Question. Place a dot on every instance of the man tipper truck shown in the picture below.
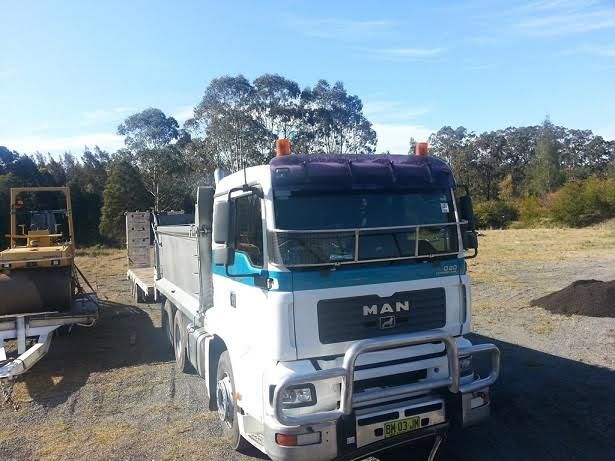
(324, 300)
(41, 288)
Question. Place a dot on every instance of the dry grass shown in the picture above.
(503, 253)
(547, 244)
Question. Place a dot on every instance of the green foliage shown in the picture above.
(494, 214)
(412, 149)
(531, 210)
(233, 123)
(334, 122)
(579, 203)
(506, 190)
(149, 129)
(236, 123)
(545, 173)
(124, 192)
(86, 179)
(150, 137)
(538, 159)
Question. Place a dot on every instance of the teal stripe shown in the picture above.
(241, 266)
(345, 276)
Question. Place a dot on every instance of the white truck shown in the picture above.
(324, 300)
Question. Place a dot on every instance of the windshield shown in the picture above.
(348, 227)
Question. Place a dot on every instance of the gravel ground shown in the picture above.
(112, 392)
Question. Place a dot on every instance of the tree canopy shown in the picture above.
(531, 160)
(235, 124)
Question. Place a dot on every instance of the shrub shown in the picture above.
(531, 210)
(494, 214)
(579, 203)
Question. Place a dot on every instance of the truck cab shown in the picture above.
(329, 303)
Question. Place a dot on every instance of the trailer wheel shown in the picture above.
(179, 342)
(227, 404)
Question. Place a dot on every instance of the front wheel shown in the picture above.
(227, 404)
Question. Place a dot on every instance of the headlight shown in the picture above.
(300, 396)
(465, 363)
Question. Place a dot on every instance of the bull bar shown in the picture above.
(346, 373)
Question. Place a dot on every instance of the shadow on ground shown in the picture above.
(545, 408)
(124, 336)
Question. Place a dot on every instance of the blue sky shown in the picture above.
(71, 71)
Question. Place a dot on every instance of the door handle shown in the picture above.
(233, 299)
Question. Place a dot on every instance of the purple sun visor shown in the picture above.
(352, 172)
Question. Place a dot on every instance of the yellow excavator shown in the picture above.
(41, 288)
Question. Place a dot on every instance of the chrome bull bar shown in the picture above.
(346, 373)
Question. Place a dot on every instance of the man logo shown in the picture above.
(386, 308)
(387, 322)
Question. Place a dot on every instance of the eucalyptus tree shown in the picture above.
(150, 137)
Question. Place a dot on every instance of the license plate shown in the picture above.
(401, 426)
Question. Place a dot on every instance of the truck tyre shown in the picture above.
(180, 340)
(137, 294)
(227, 404)
(166, 322)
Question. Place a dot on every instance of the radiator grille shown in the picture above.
(361, 317)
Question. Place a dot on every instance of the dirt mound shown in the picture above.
(593, 298)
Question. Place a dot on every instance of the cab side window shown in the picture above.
(249, 228)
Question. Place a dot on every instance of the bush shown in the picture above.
(531, 210)
(580, 203)
(494, 214)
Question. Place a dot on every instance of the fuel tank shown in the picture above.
(24, 291)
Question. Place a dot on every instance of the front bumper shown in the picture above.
(341, 435)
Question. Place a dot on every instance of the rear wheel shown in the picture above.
(180, 339)
(227, 404)
(137, 294)
(166, 322)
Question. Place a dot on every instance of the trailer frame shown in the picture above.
(39, 327)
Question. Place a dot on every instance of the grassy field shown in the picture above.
(112, 392)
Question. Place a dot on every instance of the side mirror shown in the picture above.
(223, 233)
(224, 256)
(222, 227)
(470, 242)
(466, 210)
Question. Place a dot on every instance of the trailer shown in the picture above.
(33, 332)
(141, 255)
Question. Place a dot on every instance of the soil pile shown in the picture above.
(593, 298)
